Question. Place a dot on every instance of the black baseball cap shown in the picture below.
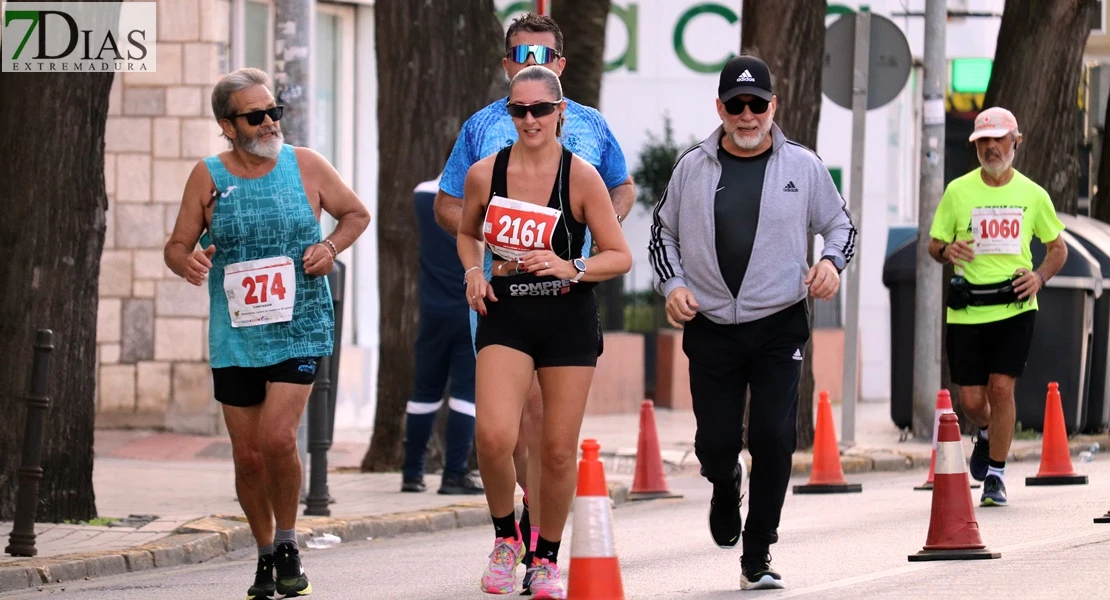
(744, 75)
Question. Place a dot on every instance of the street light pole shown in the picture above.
(927, 302)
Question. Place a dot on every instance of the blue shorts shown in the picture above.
(444, 351)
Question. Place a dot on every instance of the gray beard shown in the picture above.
(748, 143)
(270, 149)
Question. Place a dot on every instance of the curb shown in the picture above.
(210, 537)
(676, 462)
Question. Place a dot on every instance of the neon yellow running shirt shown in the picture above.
(999, 223)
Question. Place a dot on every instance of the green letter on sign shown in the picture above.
(628, 16)
(680, 31)
(23, 15)
(515, 7)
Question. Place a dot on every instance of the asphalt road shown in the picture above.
(832, 546)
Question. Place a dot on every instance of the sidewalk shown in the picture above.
(179, 492)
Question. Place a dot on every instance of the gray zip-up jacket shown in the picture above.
(799, 199)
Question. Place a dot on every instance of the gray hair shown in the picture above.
(541, 74)
(234, 82)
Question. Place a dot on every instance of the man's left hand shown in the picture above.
(317, 260)
(823, 280)
(1027, 284)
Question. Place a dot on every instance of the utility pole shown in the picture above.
(860, 77)
(294, 23)
(928, 308)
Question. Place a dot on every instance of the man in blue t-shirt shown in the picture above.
(443, 350)
(531, 39)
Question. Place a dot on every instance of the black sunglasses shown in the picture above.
(735, 106)
(255, 117)
(539, 109)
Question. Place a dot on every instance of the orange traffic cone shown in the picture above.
(953, 530)
(595, 570)
(1056, 466)
(826, 476)
(650, 480)
(944, 405)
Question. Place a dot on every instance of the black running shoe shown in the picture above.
(756, 572)
(291, 580)
(460, 485)
(526, 532)
(724, 513)
(980, 457)
(264, 587)
(994, 492)
(413, 484)
(526, 583)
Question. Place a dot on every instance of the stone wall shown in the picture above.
(152, 326)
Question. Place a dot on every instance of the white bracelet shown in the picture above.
(468, 272)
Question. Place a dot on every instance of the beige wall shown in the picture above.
(152, 326)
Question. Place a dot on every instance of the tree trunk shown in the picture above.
(51, 236)
(795, 55)
(583, 25)
(1100, 205)
(423, 99)
(1037, 66)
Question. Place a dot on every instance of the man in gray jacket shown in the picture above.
(728, 247)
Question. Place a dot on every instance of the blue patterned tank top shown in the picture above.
(265, 218)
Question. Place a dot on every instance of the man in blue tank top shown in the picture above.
(271, 317)
(530, 40)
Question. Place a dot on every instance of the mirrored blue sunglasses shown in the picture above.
(543, 54)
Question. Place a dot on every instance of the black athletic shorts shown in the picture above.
(246, 386)
(977, 351)
(554, 324)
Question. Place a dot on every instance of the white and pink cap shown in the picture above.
(994, 122)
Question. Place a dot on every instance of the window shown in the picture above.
(333, 100)
(327, 67)
(257, 33)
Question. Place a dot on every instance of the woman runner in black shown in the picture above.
(531, 205)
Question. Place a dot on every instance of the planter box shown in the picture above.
(618, 385)
(672, 371)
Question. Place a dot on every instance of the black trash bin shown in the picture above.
(1094, 235)
(899, 272)
(1062, 339)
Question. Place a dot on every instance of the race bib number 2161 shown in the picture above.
(514, 228)
(260, 291)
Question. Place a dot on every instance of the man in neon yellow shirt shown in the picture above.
(983, 226)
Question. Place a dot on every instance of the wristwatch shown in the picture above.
(580, 266)
(836, 261)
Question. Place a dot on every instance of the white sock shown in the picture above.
(983, 434)
(997, 472)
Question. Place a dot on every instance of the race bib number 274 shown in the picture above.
(260, 291)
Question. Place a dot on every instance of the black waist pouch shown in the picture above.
(962, 294)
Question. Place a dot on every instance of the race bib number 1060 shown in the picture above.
(260, 291)
(997, 230)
